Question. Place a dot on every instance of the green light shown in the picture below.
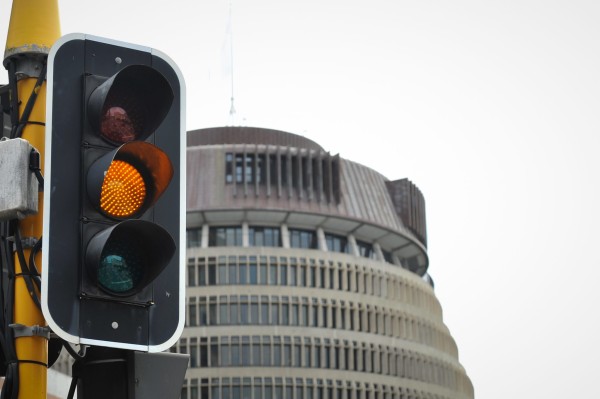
(121, 266)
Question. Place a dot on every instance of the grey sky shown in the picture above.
(490, 107)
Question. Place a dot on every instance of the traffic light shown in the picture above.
(114, 190)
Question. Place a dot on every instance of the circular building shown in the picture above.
(307, 277)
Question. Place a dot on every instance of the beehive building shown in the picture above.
(307, 277)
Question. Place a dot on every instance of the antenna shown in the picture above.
(232, 117)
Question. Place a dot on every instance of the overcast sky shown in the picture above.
(490, 107)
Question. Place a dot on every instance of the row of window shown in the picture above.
(306, 352)
(313, 312)
(231, 236)
(306, 272)
(263, 236)
(305, 175)
(295, 388)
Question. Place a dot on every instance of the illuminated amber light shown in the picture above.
(123, 190)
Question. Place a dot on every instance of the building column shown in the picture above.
(378, 252)
(245, 235)
(285, 236)
(321, 239)
(353, 246)
(204, 238)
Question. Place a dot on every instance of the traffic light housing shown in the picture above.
(114, 192)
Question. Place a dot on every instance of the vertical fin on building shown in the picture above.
(409, 204)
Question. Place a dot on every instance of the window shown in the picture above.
(203, 352)
(225, 236)
(214, 352)
(336, 243)
(295, 312)
(253, 270)
(233, 307)
(212, 311)
(254, 310)
(193, 352)
(263, 270)
(293, 272)
(273, 169)
(261, 173)
(194, 238)
(275, 310)
(307, 349)
(233, 270)
(365, 249)
(244, 309)
(256, 351)
(283, 272)
(249, 168)
(295, 173)
(239, 168)
(243, 270)
(225, 358)
(236, 359)
(266, 351)
(202, 312)
(229, 168)
(246, 389)
(246, 351)
(302, 281)
(297, 357)
(304, 321)
(387, 255)
(303, 239)
(212, 272)
(276, 351)
(273, 272)
(192, 320)
(202, 273)
(268, 388)
(287, 351)
(191, 275)
(285, 309)
(260, 236)
(264, 310)
(222, 271)
(284, 171)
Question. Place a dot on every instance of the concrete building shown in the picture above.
(307, 277)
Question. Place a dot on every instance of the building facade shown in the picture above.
(307, 277)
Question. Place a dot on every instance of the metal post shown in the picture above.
(34, 26)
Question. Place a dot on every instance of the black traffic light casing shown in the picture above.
(113, 249)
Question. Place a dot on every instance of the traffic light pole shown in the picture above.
(34, 26)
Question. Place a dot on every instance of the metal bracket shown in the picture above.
(26, 242)
(33, 331)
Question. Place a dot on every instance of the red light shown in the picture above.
(117, 126)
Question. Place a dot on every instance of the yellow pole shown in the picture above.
(34, 27)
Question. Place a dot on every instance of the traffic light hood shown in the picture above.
(130, 105)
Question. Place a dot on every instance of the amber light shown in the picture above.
(123, 190)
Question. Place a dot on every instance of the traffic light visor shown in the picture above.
(128, 180)
(130, 105)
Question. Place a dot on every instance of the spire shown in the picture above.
(232, 112)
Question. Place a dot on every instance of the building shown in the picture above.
(307, 277)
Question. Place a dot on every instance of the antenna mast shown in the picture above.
(230, 33)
